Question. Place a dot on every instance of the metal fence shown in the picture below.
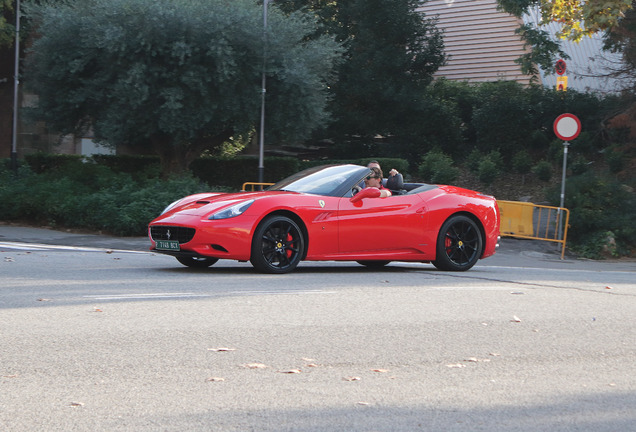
(533, 221)
(254, 186)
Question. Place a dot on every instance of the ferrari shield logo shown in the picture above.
(322, 203)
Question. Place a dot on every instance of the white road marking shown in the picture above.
(143, 296)
(146, 296)
(44, 247)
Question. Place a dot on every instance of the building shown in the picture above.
(483, 46)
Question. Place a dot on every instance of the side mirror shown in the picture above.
(369, 192)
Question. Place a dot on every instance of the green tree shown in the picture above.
(179, 77)
(391, 54)
(7, 28)
(578, 18)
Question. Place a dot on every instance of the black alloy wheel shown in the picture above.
(459, 244)
(277, 246)
(197, 262)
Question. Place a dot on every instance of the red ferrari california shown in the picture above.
(316, 215)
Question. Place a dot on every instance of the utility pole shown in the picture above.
(16, 83)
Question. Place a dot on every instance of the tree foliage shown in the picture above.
(7, 18)
(391, 54)
(178, 76)
(578, 19)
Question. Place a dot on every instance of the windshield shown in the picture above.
(329, 180)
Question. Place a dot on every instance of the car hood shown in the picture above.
(204, 204)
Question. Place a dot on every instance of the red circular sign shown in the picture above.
(567, 127)
(560, 67)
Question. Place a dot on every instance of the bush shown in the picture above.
(615, 160)
(488, 171)
(93, 197)
(599, 205)
(437, 168)
(522, 162)
(543, 170)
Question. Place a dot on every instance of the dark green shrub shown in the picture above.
(522, 162)
(437, 168)
(488, 171)
(599, 205)
(473, 160)
(579, 165)
(543, 170)
(233, 172)
(615, 159)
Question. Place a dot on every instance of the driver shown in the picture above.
(374, 179)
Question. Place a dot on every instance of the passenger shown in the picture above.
(395, 180)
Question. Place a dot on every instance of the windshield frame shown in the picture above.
(325, 180)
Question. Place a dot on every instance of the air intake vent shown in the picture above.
(181, 234)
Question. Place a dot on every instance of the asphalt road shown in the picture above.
(97, 334)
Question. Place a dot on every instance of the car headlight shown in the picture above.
(233, 211)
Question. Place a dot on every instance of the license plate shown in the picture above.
(168, 245)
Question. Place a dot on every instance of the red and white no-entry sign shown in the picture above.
(567, 127)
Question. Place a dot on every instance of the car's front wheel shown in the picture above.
(197, 262)
(278, 245)
(459, 244)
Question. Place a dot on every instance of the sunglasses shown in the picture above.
(372, 177)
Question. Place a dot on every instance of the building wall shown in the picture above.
(479, 39)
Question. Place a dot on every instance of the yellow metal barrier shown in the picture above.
(253, 186)
(533, 221)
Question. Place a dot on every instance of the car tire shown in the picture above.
(197, 262)
(459, 244)
(278, 245)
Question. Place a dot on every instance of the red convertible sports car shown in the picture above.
(316, 215)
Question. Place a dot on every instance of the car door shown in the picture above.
(392, 224)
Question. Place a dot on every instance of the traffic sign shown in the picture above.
(560, 67)
(562, 83)
(567, 127)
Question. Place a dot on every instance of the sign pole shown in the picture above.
(565, 167)
(566, 127)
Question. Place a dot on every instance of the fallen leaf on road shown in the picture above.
(476, 360)
(97, 310)
(363, 403)
(352, 378)
(515, 318)
(254, 366)
(380, 370)
(215, 379)
(608, 287)
(44, 300)
(221, 349)
(290, 371)
(456, 365)
(76, 404)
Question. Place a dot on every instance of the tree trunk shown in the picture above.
(176, 157)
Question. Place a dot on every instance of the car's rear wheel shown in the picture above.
(197, 262)
(459, 244)
(374, 264)
(278, 245)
